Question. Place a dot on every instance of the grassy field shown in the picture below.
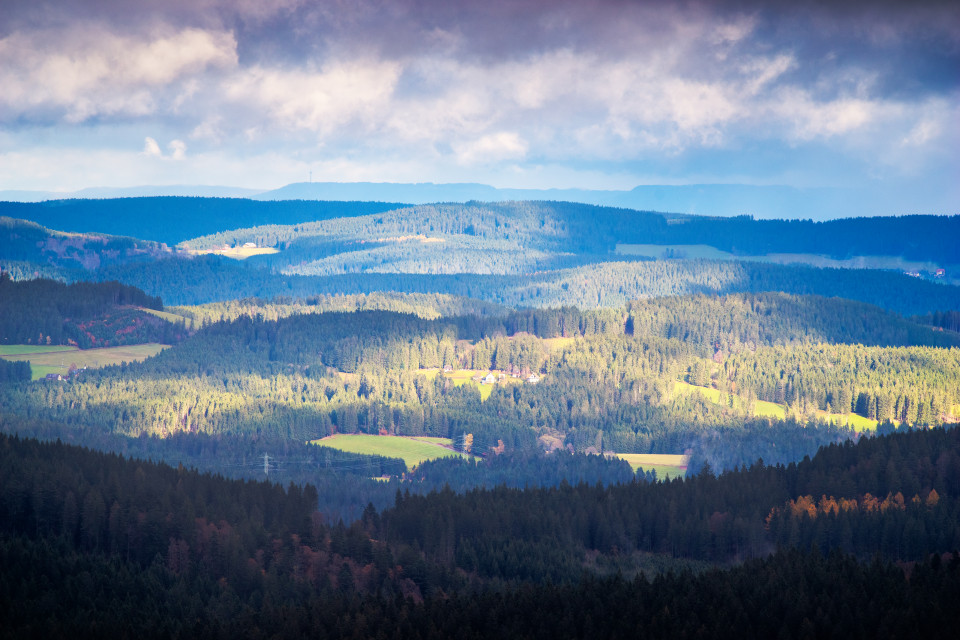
(706, 252)
(558, 344)
(761, 408)
(412, 451)
(667, 465)
(29, 349)
(443, 442)
(678, 251)
(44, 362)
(169, 317)
(237, 253)
(465, 376)
(852, 420)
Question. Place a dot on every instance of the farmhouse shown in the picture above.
(53, 377)
(249, 245)
(489, 379)
(533, 378)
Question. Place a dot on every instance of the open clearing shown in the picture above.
(169, 317)
(762, 408)
(59, 361)
(676, 251)
(465, 376)
(29, 349)
(237, 253)
(558, 344)
(412, 451)
(852, 420)
(706, 252)
(667, 465)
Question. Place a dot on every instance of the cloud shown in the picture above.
(151, 148)
(88, 71)
(321, 101)
(811, 119)
(476, 85)
(496, 147)
(178, 149)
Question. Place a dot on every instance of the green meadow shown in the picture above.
(44, 360)
(412, 451)
(667, 465)
(762, 408)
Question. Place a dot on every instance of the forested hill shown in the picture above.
(174, 219)
(212, 278)
(558, 226)
(580, 228)
(30, 245)
(95, 543)
(84, 313)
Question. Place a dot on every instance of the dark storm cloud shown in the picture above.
(505, 27)
(902, 48)
(481, 82)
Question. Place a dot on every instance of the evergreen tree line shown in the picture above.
(50, 312)
(173, 219)
(426, 306)
(346, 482)
(96, 543)
(949, 320)
(308, 376)
(205, 279)
(916, 385)
(252, 376)
(14, 371)
(581, 228)
(26, 242)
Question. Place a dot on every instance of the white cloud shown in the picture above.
(178, 149)
(922, 133)
(810, 119)
(151, 148)
(496, 147)
(210, 129)
(323, 101)
(601, 85)
(88, 71)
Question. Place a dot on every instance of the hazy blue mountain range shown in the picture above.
(175, 219)
(201, 191)
(760, 201)
(701, 199)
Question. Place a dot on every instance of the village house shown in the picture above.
(533, 378)
(489, 379)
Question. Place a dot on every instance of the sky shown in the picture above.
(593, 94)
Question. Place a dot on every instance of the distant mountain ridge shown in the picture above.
(148, 191)
(760, 201)
(698, 199)
(174, 219)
